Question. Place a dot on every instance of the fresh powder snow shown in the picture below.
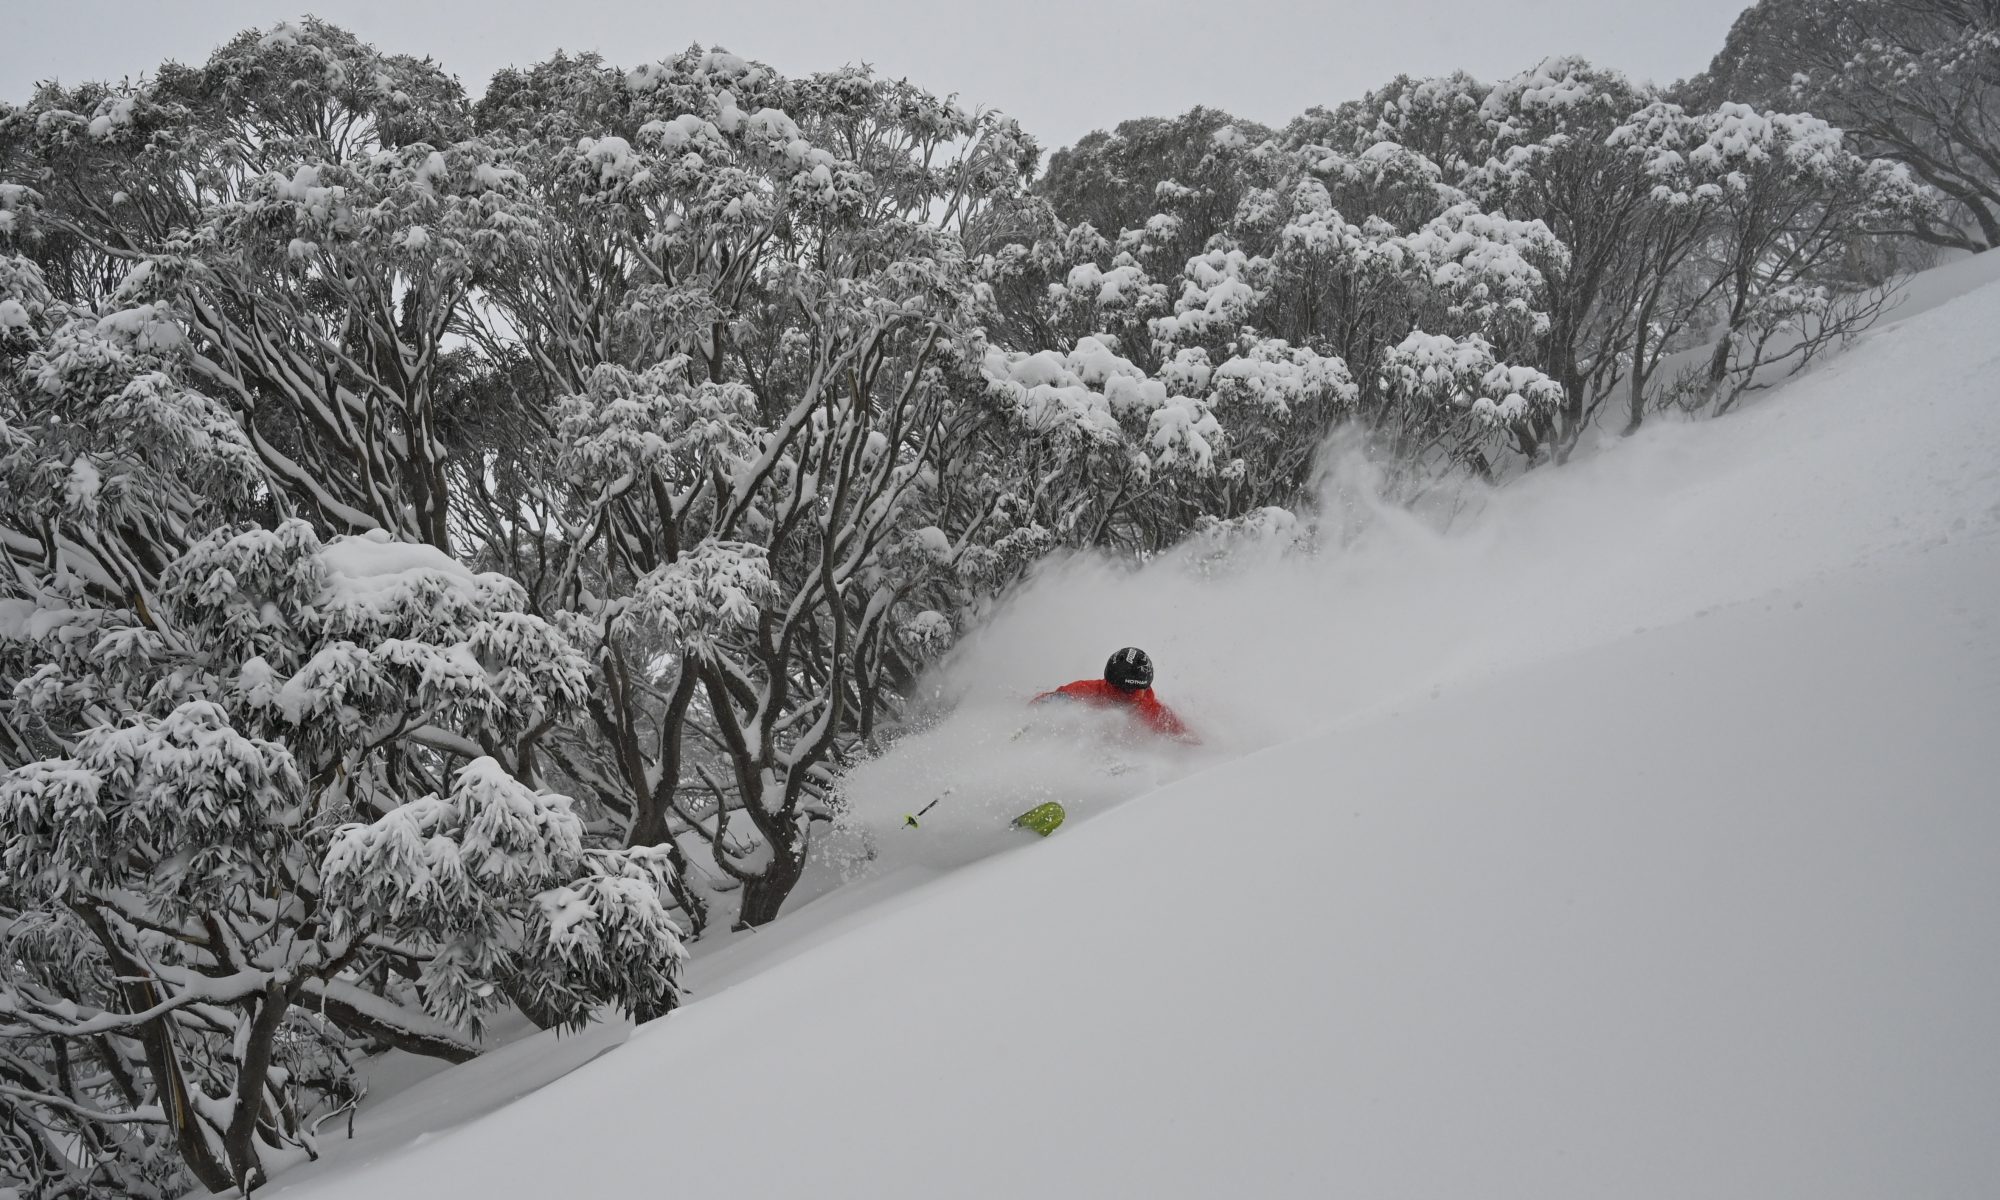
(1635, 836)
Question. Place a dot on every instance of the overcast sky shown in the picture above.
(1063, 67)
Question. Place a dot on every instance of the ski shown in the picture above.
(1042, 819)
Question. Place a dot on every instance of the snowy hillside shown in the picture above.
(1638, 837)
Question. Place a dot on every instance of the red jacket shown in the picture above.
(1143, 705)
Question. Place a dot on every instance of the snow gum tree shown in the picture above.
(1564, 228)
(1673, 221)
(237, 851)
(306, 208)
(1115, 181)
(759, 337)
(270, 795)
(1277, 326)
(448, 549)
(1914, 81)
(1763, 211)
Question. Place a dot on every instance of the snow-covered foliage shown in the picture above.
(224, 640)
(1444, 384)
(1917, 84)
(1616, 226)
(1092, 396)
(453, 550)
(496, 876)
(217, 792)
(1765, 209)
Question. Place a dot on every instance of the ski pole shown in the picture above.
(911, 818)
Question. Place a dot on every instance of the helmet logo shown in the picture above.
(1129, 670)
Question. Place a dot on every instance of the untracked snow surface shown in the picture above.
(1637, 837)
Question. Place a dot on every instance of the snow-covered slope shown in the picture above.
(1641, 839)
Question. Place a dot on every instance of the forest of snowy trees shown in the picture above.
(451, 548)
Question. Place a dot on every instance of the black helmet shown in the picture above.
(1129, 670)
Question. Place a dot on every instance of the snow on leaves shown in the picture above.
(1462, 374)
(1085, 398)
(626, 426)
(447, 213)
(187, 781)
(719, 155)
(1912, 83)
(365, 633)
(1485, 264)
(476, 867)
(713, 587)
(1278, 377)
(1221, 289)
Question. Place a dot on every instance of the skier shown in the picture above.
(1127, 684)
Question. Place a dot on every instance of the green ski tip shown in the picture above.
(1043, 818)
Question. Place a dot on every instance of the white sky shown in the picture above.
(1063, 67)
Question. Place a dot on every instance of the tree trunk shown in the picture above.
(239, 1139)
(171, 1093)
(650, 809)
(764, 895)
(1635, 414)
